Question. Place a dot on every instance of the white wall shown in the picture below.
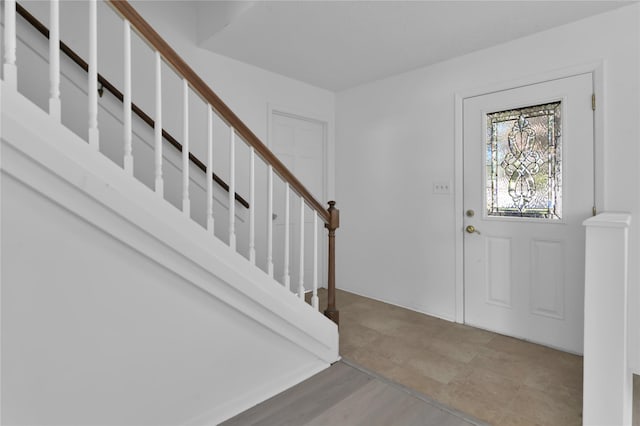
(395, 137)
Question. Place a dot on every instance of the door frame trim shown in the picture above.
(328, 167)
(328, 140)
(597, 70)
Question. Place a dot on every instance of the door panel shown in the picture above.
(498, 279)
(547, 266)
(528, 178)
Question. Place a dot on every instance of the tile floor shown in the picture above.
(498, 379)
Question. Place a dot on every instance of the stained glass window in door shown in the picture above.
(524, 164)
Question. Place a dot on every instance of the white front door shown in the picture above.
(300, 143)
(528, 185)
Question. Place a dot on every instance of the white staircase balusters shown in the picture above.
(301, 266)
(158, 128)
(209, 172)
(54, 60)
(93, 75)
(314, 296)
(270, 220)
(232, 189)
(126, 101)
(190, 81)
(186, 203)
(252, 207)
(286, 278)
(9, 68)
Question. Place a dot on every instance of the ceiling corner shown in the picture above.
(215, 16)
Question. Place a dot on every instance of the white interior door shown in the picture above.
(300, 144)
(528, 185)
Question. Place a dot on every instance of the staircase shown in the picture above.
(138, 280)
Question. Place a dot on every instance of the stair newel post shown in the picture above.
(334, 222)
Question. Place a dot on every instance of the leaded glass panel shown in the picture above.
(524, 167)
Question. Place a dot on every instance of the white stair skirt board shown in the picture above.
(62, 168)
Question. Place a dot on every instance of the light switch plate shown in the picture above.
(442, 188)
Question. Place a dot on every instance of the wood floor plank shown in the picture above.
(424, 414)
(375, 404)
(306, 400)
(381, 404)
(347, 395)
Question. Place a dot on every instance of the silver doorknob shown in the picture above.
(471, 229)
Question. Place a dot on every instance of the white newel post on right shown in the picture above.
(608, 387)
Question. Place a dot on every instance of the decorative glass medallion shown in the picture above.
(524, 174)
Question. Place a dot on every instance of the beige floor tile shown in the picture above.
(563, 362)
(413, 378)
(546, 408)
(498, 379)
(556, 370)
(503, 363)
(394, 349)
(357, 335)
(348, 351)
(556, 379)
(372, 360)
(380, 323)
(463, 333)
(348, 317)
(484, 394)
(411, 334)
(437, 367)
(460, 351)
(358, 305)
(493, 385)
(518, 347)
(477, 404)
(512, 419)
(412, 328)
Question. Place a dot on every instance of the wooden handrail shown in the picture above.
(149, 34)
(42, 29)
(330, 216)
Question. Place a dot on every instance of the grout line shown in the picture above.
(466, 417)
